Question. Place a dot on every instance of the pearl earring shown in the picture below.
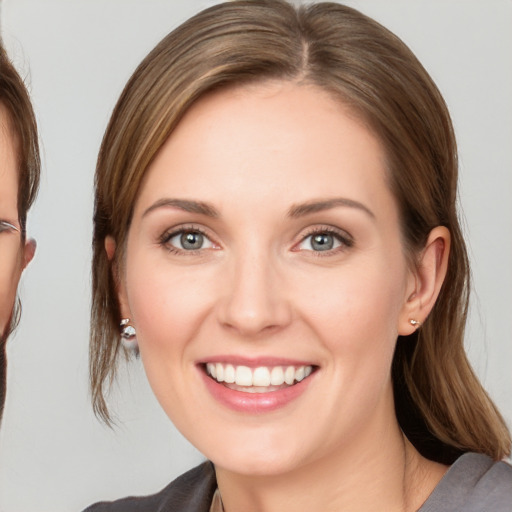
(128, 335)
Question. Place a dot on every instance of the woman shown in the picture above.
(19, 179)
(276, 233)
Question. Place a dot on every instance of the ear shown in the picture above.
(426, 280)
(28, 251)
(110, 249)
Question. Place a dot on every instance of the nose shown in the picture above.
(254, 301)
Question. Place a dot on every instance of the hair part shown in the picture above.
(440, 404)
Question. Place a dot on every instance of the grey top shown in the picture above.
(474, 483)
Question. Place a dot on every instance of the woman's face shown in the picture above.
(13, 254)
(265, 247)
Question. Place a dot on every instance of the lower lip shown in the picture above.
(254, 403)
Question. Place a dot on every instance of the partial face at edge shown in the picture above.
(265, 237)
(14, 256)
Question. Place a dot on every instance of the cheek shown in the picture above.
(167, 305)
(356, 315)
(362, 297)
(10, 272)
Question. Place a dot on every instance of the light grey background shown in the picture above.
(54, 455)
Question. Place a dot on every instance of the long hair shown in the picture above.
(439, 402)
(22, 122)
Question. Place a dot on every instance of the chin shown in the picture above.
(261, 455)
(264, 464)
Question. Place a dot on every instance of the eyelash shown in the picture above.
(344, 239)
(166, 237)
(7, 226)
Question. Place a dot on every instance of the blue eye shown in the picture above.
(324, 241)
(189, 241)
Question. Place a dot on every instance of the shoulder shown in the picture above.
(474, 483)
(190, 492)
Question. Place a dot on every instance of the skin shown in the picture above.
(258, 289)
(14, 253)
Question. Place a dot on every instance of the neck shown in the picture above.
(388, 474)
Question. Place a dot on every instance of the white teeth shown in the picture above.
(277, 376)
(229, 374)
(260, 377)
(219, 369)
(243, 376)
(210, 367)
(289, 375)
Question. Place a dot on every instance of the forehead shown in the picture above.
(271, 133)
(8, 164)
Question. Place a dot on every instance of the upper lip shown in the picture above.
(255, 362)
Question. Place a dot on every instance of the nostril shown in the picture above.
(251, 328)
(254, 319)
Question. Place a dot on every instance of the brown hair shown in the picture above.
(439, 402)
(15, 98)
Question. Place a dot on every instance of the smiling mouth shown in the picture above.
(263, 379)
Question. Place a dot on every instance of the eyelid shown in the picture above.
(170, 233)
(346, 240)
(5, 225)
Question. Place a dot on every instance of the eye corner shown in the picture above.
(6, 226)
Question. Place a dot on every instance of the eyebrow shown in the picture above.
(300, 210)
(186, 205)
(295, 211)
